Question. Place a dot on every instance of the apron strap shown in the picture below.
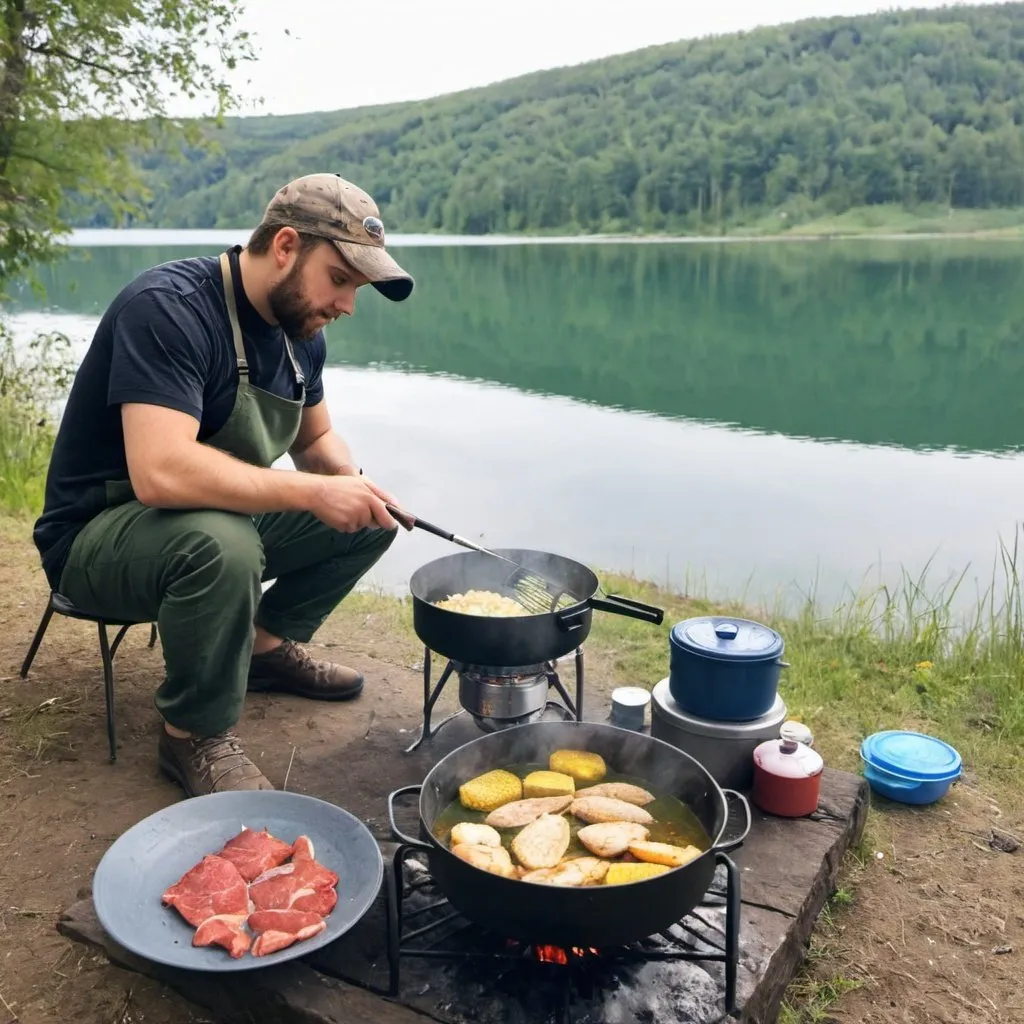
(236, 329)
(300, 377)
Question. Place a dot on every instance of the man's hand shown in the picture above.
(349, 503)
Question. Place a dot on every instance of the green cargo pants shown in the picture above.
(198, 575)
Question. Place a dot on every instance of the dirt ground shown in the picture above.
(934, 931)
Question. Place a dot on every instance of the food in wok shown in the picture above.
(482, 602)
(570, 822)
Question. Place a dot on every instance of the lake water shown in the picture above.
(740, 419)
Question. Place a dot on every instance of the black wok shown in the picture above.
(518, 640)
(593, 916)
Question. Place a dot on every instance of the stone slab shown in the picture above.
(290, 993)
(788, 870)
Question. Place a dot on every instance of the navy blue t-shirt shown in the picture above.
(164, 340)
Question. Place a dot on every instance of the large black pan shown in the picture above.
(518, 640)
(592, 916)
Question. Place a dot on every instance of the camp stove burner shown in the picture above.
(687, 972)
(499, 697)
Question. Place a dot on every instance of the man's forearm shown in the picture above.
(200, 476)
(327, 455)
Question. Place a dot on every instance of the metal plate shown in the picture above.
(152, 855)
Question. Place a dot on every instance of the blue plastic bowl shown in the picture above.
(909, 767)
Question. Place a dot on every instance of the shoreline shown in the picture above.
(100, 237)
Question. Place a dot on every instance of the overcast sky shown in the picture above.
(344, 54)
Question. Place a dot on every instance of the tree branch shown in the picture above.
(49, 50)
(21, 155)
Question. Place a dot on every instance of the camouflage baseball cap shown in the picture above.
(329, 206)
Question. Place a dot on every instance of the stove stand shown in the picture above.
(571, 709)
(450, 937)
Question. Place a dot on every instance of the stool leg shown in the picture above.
(117, 640)
(152, 635)
(37, 640)
(108, 687)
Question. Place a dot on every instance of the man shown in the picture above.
(161, 503)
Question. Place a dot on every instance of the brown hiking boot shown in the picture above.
(289, 669)
(211, 765)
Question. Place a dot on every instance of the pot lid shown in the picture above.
(787, 759)
(664, 705)
(726, 639)
(911, 755)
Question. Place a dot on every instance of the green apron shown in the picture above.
(261, 426)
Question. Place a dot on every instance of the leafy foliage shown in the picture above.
(33, 380)
(83, 87)
(804, 120)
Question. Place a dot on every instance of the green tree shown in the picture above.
(84, 88)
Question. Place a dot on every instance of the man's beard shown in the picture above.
(294, 314)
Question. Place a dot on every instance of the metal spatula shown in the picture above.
(534, 592)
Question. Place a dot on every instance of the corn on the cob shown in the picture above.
(489, 791)
(580, 764)
(539, 784)
(664, 853)
(622, 872)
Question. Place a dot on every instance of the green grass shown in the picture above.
(887, 659)
(884, 219)
(33, 377)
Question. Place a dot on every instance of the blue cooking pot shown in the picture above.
(725, 669)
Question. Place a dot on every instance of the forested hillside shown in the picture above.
(801, 120)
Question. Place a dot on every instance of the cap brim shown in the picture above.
(379, 268)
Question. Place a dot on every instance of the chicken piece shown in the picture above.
(625, 871)
(619, 791)
(542, 844)
(603, 808)
(466, 832)
(664, 853)
(494, 859)
(522, 812)
(580, 764)
(541, 784)
(489, 791)
(611, 838)
(577, 871)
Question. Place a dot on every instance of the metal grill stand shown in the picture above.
(568, 707)
(433, 940)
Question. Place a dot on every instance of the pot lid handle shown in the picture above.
(726, 631)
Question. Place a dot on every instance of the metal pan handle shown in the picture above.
(395, 830)
(571, 620)
(624, 606)
(731, 844)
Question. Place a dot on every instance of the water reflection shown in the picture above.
(914, 345)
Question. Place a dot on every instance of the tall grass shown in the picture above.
(893, 657)
(34, 378)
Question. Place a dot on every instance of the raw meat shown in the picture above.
(213, 898)
(276, 929)
(255, 852)
(302, 884)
